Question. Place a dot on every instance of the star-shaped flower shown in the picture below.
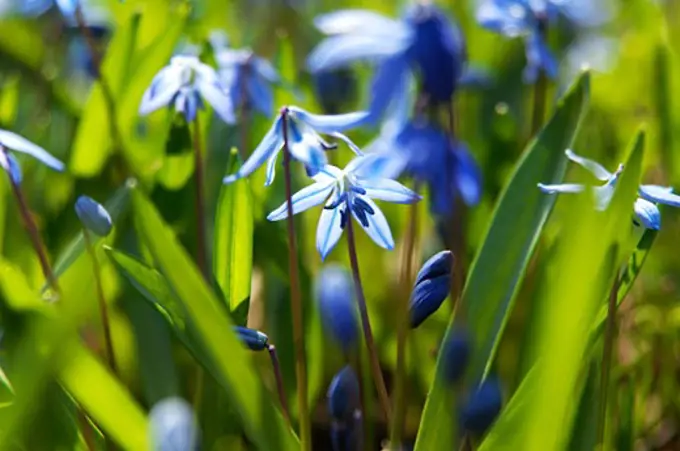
(646, 212)
(348, 191)
(185, 83)
(301, 130)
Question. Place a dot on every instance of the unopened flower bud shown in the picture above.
(334, 291)
(253, 339)
(431, 288)
(93, 216)
(343, 395)
(482, 407)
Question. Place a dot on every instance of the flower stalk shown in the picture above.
(273, 356)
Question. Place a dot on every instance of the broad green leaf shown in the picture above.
(233, 248)
(498, 269)
(107, 402)
(262, 421)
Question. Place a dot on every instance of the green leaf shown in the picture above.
(262, 421)
(498, 269)
(233, 247)
(625, 415)
(106, 401)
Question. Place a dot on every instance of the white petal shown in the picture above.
(328, 232)
(357, 20)
(218, 97)
(563, 188)
(660, 194)
(304, 199)
(163, 88)
(378, 228)
(594, 167)
(305, 145)
(22, 145)
(389, 190)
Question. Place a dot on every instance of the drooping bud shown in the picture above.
(334, 291)
(482, 407)
(455, 355)
(173, 426)
(343, 395)
(93, 216)
(431, 288)
(253, 339)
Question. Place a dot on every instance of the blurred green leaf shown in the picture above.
(233, 247)
(262, 421)
(625, 415)
(498, 269)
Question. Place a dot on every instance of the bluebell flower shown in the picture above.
(455, 355)
(482, 406)
(348, 191)
(432, 286)
(173, 426)
(94, 216)
(343, 395)
(16, 143)
(334, 291)
(529, 18)
(253, 339)
(424, 41)
(646, 212)
(185, 84)
(304, 143)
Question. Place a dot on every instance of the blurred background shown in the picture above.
(46, 81)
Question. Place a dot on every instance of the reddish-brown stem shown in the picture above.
(281, 390)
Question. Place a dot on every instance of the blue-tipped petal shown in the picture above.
(389, 82)
(330, 123)
(217, 97)
(359, 20)
(376, 225)
(561, 188)
(268, 147)
(329, 229)
(647, 214)
(467, 176)
(173, 426)
(593, 166)
(308, 197)
(389, 190)
(19, 144)
(260, 94)
(11, 166)
(659, 194)
(94, 216)
(334, 291)
(340, 51)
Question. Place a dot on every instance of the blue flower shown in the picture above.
(185, 83)
(646, 212)
(529, 19)
(424, 41)
(336, 304)
(304, 143)
(16, 143)
(481, 408)
(455, 356)
(343, 395)
(172, 426)
(253, 339)
(94, 216)
(348, 191)
(432, 286)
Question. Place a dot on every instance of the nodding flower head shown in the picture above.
(185, 84)
(93, 216)
(334, 291)
(432, 286)
(299, 130)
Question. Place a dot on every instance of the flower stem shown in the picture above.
(199, 202)
(607, 353)
(273, 356)
(103, 308)
(366, 326)
(296, 302)
(540, 89)
(405, 279)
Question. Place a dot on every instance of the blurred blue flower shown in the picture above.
(345, 191)
(185, 83)
(529, 19)
(432, 286)
(24, 7)
(96, 14)
(334, 291)
(93, 216)
(304, 143)
(424, 41)
(253, 339)
(481, 408)
(343, 395)
(172, 426)
(455, 355)
(646, 212)
(16, 143)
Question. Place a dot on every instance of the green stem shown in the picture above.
(273, 356)
(607, 354)
(376, 372)
(296, 301)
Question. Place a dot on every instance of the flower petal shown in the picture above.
(508, 18)
(268, 147)
(11, 166)
(308, 197)
(265, 69)
(260, 94)
(377, 227)
(305, 146)
(593, 166)
(343, 50)
(539, 57)
(22, 145)
(214, 93)
(329, 230)
(271, 169)
(378, 165)
(358, 20)
(562, 188)
(162, 90)
(647, 214)
(390, 81)
(323, 123)
(467, 176)
(660, 194)
(353, 147)
(389, 190)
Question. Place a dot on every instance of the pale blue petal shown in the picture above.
(265, 69)
(213, 92)
(510, 18)
(304, 145)
(603, 196)
(358, 21)
(563, 188)
(647, 214)
(660, 194)
(389, 190)
(11, 166)
(162, 90)
(328, 172)
(328, 232)
(268, 148)
(308, 197)
(260, 94)
(539, 57)
(323, 123)
(353, 147)
(594, 167)
(389, 88)
(468, 176)
(378, 228)
(19, 144)
(342, 50)
(271, 169)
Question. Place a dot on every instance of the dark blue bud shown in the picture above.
(482, 407)
(335, 90)
(432, 286)
(172, 426)
(334, 291)
(343, 395)
(93, 216)
(455, 355)
(253, 339)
